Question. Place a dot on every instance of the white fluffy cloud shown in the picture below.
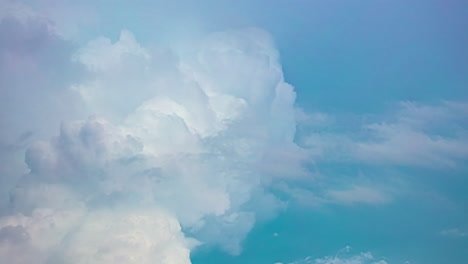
(100, 236)
(181, 147)
(116, 235)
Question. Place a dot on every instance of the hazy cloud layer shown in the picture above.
(342, 257)
(35, 73)
(454, 233)
(415, 135)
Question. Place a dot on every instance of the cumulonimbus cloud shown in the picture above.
(178, 152)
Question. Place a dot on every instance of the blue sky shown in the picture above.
(208, 132)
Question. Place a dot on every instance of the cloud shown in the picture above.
(358, 194)
(104, 236)
(123, 75)
(404, 145)
(101, 55)
(343, 257)
(35, 73)
(413, 135)
(417, 135)
(453, 232)
(35, 237)
(351, 194)
(422, 135)
(303, 196)
(110, 236)
(176, 147)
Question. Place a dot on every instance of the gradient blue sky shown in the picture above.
(364, 161)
